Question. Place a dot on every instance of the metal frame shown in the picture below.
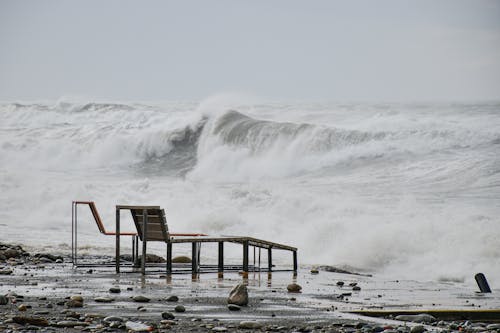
(74, 238)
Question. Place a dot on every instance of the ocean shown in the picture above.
(407, 191)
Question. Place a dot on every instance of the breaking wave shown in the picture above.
(404, 190)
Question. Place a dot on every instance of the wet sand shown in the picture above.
(322, 305)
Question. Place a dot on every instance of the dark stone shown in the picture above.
(233, 307)
(181, 260)
(168, 315)
(180, 308)
(3, 300)
(153, 258)
(356, 288)
(115, 290)
(294, 288)
(173, 299)
(73, 304)
(37, 321)
(141, 299)
(340, 283)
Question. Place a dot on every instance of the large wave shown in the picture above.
(400, 189)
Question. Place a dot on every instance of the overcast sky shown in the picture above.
(286, 50)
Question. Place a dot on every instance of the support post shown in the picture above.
(76, 236)
(270, 259)
(245, 256)
(144, 240)
(221, 259)
(169, 258)
(133, 249)
(194, 258)
(117, 245)
(295, 266)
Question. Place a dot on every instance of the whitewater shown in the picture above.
(401, 190)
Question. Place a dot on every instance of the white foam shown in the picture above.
(404, 191)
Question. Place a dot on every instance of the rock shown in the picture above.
(115, 290)
(141, 299)
(137, 327)
(37, 321)
(180, 308)
(294, 288)
(3, 300)
(233, 307)
(70, 323)
(356, 288)
(72, 304)
(250, 325)
(153, 258)
(59, 261)
(47, 257)
(77, 298)
(173, 299)
(314, 271)
(417, 329)
(104, 300)
(22, 307)
(181, 260)
(238, 295)
(11, 253)
(340, 283)
(167, 315)
(219, 329)
(110, 319)
(418, 318)
(353, 284)
(493, 327)
(6, 271)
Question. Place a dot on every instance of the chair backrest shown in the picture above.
(95, 214)
(157, 229)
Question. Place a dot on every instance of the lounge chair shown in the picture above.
(152, 225)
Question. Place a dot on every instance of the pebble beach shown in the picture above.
(41, 292)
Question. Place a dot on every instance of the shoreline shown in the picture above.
(45, 283)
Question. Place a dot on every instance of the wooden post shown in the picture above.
(221, 259)
(295, 261)
(245, 256)
(144, 239)
(270, 259)
(169, 258)
(117, 245)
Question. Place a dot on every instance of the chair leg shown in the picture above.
(144, 240)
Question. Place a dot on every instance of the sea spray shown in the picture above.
(406, 190)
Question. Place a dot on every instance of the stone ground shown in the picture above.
(43, 293)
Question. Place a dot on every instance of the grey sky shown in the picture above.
(296, 50)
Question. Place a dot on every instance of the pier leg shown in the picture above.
(144, 240)
(221, 260)
(270, 259)
(245, 257)
(169, 258)
(117, 230)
